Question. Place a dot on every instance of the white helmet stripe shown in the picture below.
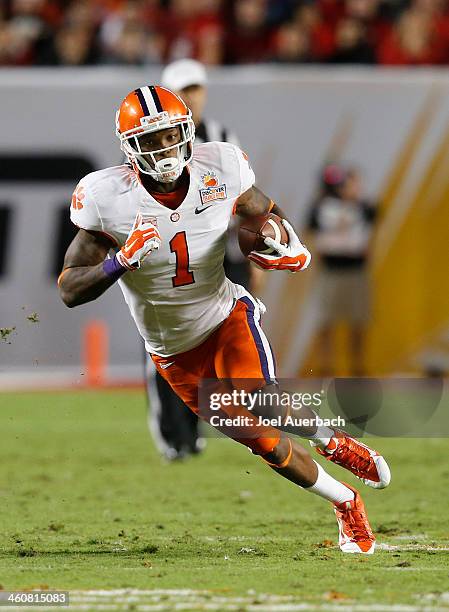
(150, 101)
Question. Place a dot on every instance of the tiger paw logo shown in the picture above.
(210, 179)
(78, 197)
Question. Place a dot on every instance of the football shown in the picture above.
(254, 230)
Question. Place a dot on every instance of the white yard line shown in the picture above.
(411, 537)
(411, 547)
(166, 600)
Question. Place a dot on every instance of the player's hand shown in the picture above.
(292, 257)
(142, 240)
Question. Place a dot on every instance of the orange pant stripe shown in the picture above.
(286, 461)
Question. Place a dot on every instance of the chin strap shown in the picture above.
(167, 170)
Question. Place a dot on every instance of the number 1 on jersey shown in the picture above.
(183, 276)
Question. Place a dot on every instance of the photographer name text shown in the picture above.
(277, 421)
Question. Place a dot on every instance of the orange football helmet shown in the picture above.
(150, 109)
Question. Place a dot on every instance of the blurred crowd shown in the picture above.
(143, 32)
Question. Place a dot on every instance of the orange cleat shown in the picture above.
(361, 460)
(354, 531)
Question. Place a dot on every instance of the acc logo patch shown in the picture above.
(212, 188)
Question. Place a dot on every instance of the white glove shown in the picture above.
(142, 240)
(292, 257)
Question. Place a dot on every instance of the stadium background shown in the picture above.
(292, 115)
(57, 125)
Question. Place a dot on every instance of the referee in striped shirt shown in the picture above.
(172, 424)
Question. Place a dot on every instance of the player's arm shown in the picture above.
(292, 257)
(83, 278)
(87, 274)
(254, 202)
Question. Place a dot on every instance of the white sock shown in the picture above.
(322, 436)
(329, 488)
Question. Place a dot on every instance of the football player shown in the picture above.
(165, 217)
(174, 427)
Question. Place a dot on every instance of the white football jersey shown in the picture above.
(180, 293)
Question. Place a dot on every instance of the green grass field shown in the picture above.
(87, 505)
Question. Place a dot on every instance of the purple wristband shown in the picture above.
(113, 269)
